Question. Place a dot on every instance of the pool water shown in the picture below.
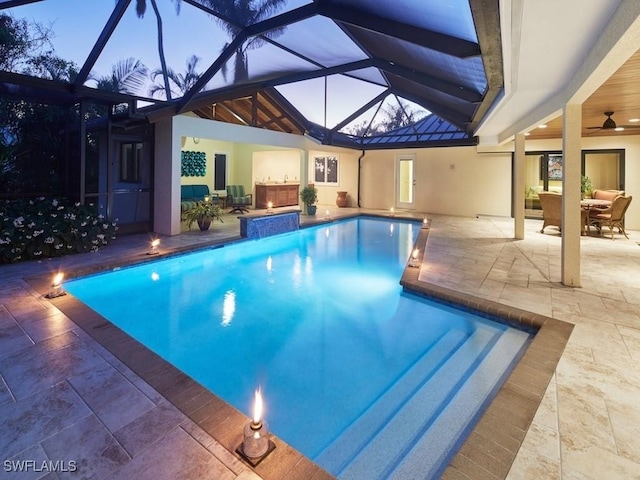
(355, 374)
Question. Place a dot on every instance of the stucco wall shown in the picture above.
(453, 181)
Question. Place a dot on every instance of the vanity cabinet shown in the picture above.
(281, 194)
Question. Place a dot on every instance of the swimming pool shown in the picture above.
(318, 320)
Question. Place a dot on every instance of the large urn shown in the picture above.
(341, 200)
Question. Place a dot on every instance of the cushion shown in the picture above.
(607, 194)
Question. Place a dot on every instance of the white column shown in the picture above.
(304, 174)
(166, 179)
(518, 187)
(571, 218)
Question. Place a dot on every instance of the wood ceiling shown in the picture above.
(620, 94)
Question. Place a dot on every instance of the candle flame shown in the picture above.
(269, 204)
(57, 279)
(155, 243)
(415, 253)
(257, 407)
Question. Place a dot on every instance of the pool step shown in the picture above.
(406, 442)
(356, 436)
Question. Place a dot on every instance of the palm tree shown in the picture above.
(234, 16)
(141, 8)
(127, 76)
(182, 81)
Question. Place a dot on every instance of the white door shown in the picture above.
(405, 182)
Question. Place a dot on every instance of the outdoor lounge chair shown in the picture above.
(613, 216)
(238, 199)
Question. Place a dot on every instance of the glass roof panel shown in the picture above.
(466, 72)
(321, 40)
(362, 124)
(344, 96)
(451, 17)
(70, 39)
(258, 60)
(369, 74)
(245, 13)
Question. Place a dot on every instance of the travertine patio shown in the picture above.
(64, 397)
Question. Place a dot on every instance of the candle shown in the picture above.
(256, 431)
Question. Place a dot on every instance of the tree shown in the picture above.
(127, 76)
(19, 41)
(141, 8)
(181, 82)
(234, 16)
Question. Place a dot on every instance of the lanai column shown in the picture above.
(519, 186)
(571, 217)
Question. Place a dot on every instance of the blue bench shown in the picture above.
(191, 194)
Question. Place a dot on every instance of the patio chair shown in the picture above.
(238, 199)
(551, 204)
(612, 216)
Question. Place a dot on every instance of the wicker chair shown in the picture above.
(612, 216)
(551, 204)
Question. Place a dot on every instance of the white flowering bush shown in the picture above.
(46, 227)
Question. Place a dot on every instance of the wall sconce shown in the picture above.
(256, 444)
(153, 249)
(56, 289)
(414, 261)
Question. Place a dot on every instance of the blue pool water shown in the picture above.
(349, 365)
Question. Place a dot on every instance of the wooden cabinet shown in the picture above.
(281, 194)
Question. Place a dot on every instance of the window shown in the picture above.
(326, 169)
(220, 171)
(130, 158)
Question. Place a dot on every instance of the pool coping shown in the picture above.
(488, 451)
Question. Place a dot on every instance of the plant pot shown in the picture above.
(341, 200)
(204, 223)
(311, 209)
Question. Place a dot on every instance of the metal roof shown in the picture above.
(358, 73)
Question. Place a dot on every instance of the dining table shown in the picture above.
(590, 203)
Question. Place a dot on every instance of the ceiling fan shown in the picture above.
(610, 124)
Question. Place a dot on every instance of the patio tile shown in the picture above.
(39, 416)
(5, 394)
(41, 366)
(90, 445)
(40, 326)
(12, 337)
(22, 464)
(147, 428)
(177, 455)
(114, 399)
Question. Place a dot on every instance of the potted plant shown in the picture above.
(309, 196)
(203, 213)
(585, 186)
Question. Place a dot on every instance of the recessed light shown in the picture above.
(634, 120)
(542, 126)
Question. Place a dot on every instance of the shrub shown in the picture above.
(45, 227)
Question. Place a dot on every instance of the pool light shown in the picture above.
(56, 289)
(256, 444)
(153, 250)
(414, 261)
